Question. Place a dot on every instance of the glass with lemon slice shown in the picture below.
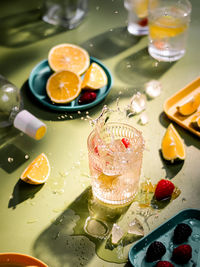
(168, 27)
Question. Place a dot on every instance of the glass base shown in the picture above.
(165, 55)
(137, 30)
(114, 202)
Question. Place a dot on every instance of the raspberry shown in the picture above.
(87, 97)
(181, 233)
(164, 264)
(143, 22)
(182, 254)
(126, 142)
(155, 251)
(164, 189)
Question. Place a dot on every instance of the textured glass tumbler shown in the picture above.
(137, 16)
(114, 169)
(66, 13)
(168, 27)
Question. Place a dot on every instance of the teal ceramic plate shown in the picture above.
(164, 234)
(37, 84)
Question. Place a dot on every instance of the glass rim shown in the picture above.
(187, 4)
(89, 146)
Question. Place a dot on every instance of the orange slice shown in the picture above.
(69, 57)
(95, 77)
(63, 86)
(195, 121)
(190, 105)
(37, 171)
(172, 145)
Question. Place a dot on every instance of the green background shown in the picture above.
(39, 220)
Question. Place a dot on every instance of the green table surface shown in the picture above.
(39, 220)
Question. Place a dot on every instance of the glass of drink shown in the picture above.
(66, 13)
(168, 26)
(115, 153)
(137, 16)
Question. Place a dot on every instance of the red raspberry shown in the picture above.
(143, 22)
(182, 254)
(164, 264)
(164, 189)
(87, 97)
(126, 142)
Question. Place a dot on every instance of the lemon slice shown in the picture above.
(189, 106)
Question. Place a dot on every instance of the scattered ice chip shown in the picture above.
(138, 103)
(116, 234)
(143, 119)
(135, 227)
(153, 88)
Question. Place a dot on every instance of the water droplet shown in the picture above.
(26, 156)
(79, 112)
(10, 160)
(116, 11)
(97, 8)
(71, 117)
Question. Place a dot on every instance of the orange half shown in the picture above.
(37, 171)
(189, 106)
(63, 86)
(95, 77)
(69, 57)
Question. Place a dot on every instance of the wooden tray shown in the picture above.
(170, 105)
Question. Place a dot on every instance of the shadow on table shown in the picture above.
(110, 43)
(189, 138)
(140, 67)
(24, 28)
(21, 192)
(66, 241)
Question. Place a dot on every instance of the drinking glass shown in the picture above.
(168, 27)
(114, 167)
(66, 13)
(137, 16)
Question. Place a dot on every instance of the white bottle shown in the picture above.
(12, 112)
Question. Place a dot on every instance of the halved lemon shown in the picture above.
(69, 57)
(37, 171)
(63, 86)
(189, 106)
(95, 77)
(172, 145)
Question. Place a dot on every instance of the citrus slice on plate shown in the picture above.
(37, 171)
(95, 77)
(69, 57)
(63, 86)
(189, 106)
(195, 121)
(172, 145)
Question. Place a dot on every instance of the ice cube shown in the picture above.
(138, 103)
(143, 119)
(153, 88)
(116, 234)
(135, 228)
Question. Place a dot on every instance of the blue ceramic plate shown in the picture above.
(164, 234)
(37, 83)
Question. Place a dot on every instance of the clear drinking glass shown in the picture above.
(114, 167)
(66, 13)
(137, 16)
(168, 27)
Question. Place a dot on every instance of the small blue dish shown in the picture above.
(164, 234)
(37, 84)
